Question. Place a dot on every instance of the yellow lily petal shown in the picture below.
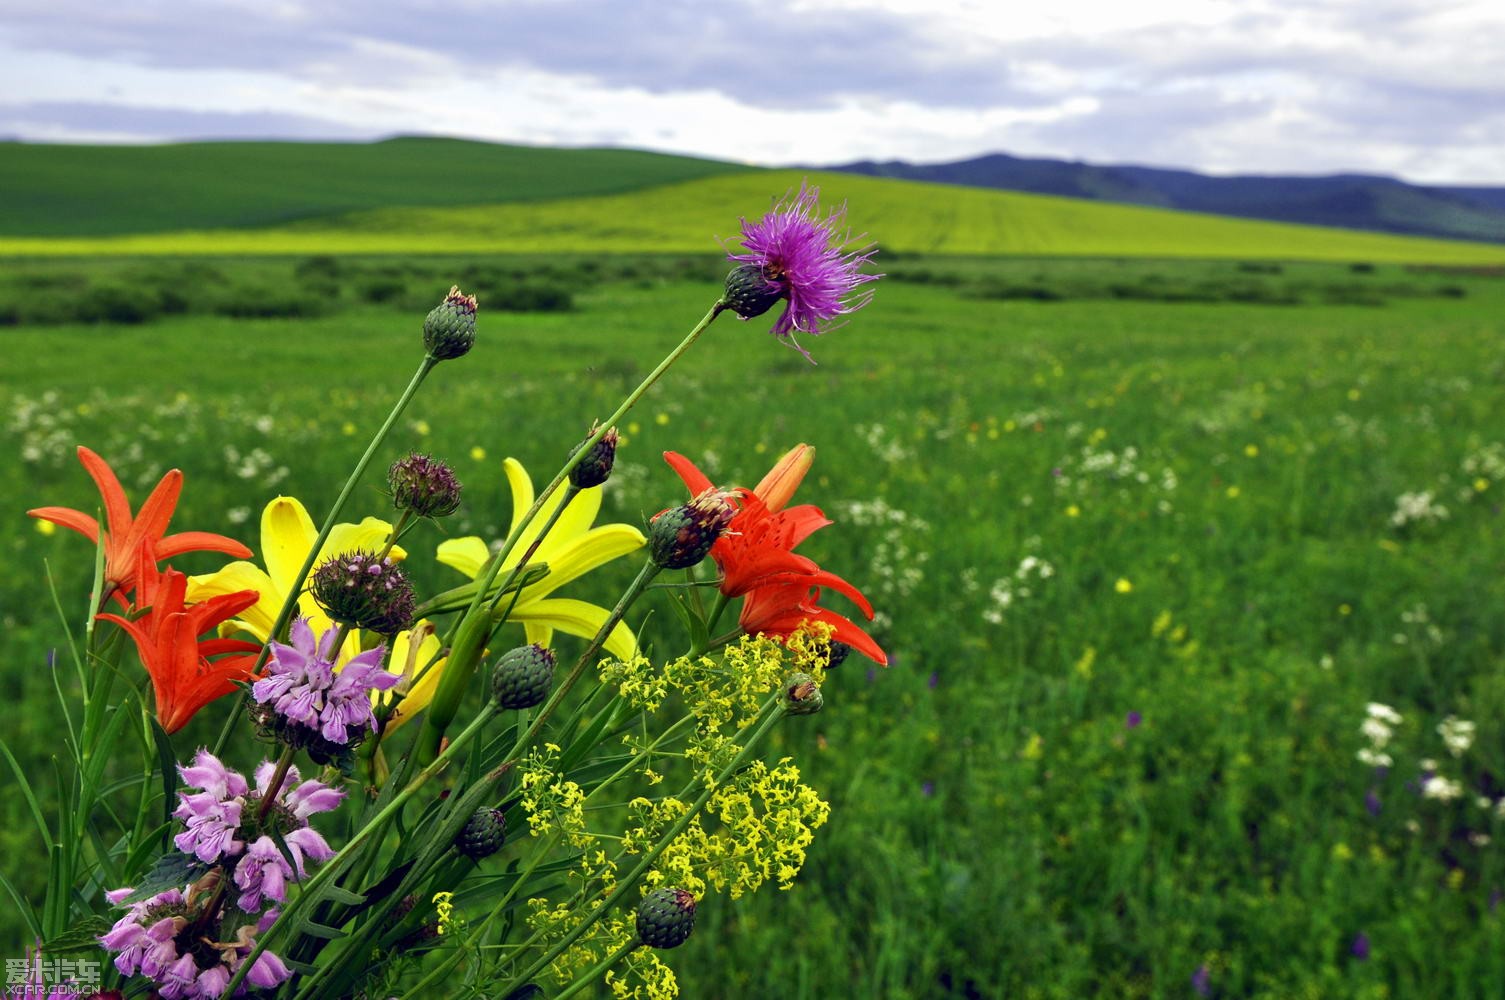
(237, 576)
(576, 618)
(539, 633)
(287, 532)
(420, 694)
(368, 536)
(522, 490)
(595, 548)
(575, 520)
(467, 555)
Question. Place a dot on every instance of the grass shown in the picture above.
(1211, 483)
(93, 190)
(681, 218)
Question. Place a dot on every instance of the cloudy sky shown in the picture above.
(1408, 87)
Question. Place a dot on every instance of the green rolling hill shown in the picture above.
(49, 190)
(691, 215)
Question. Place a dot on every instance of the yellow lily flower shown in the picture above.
(572, 549)
(287, 533)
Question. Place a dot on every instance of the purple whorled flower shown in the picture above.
(171, 941)
(210, 816)
(794, 254)
(301, 685)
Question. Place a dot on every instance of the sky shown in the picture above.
(1412, 88)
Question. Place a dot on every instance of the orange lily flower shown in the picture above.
(184, 678)
(757, 560)
(128, 536)
(780, 609)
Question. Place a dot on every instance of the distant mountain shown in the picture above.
(1350, 201)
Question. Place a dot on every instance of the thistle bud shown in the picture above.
(363, 591)
(748, 292)
(482, 834)
(802, 695)
(423, 485)
(450, 328)
(665, 918)
(522, 677)
(594, 467)
(680, 537)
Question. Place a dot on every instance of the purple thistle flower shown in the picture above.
(795, 255)
(301, 685)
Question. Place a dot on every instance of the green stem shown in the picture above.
(592, 977)
(455, 680)
(290, 601)
(373, 828)
(771, 712)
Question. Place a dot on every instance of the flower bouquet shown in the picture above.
(398, 804)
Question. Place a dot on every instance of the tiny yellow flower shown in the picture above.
(1251, 450)
(1123, 586)
(1073, 511)
(634, 427)
(1342, 852)
(478, 453)
(445, 908)
(1353, 395)
(662, 419)
(1481, 484)
(1035, 748)
(421, 428)
(347, 428)
(1233, 492)
(1009, 425)
(1345, 609)
(45, 527)
(760, 447)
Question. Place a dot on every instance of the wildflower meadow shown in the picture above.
(891, 625)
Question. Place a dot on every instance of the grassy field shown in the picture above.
(686, 217)
(1142, 561)
(90, 190)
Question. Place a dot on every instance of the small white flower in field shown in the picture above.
(1484, 802)
(1479, 839)
(238, 515)
(1500, 808)
(1412, 826)
(264, 423)
(1427, 764)
(1442, 789)
(1377, 732)
(1373, 758)
(1326, 663)
(1385, 713)
(1457, 734)
(1417, 508)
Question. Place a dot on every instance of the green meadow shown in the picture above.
(1166, 518)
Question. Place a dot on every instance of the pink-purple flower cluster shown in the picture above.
(799, 256)
(228, 822)
(302, 687)
(164, 938)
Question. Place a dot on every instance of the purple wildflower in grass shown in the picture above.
(146, 942)
(935, 679)
(1201, 981)
(301, 685)
(1360, 947)
(795, 255)
(927, 789)
(1132, 720)
(1372, 802)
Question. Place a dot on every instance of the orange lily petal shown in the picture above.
(200, 541)
(117, 508)
(785, 477)
(67, 517)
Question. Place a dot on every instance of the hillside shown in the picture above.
(690, 216)
(50, 190)
(1351, 201)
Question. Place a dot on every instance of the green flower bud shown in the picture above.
(522, 677)
(482, 834)
(802, 695)
(665, 918)
(680, 537)
(594, 467)
(450, 329)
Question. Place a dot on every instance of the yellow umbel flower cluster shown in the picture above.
(768, 818)
(636, 680)
(551, 802)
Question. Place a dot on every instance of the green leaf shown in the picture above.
(28, 913)
(172, 871)
(167, 764)
(320, 930)
(30, 796)
(340, 895)
(82, 936)
(527, 991)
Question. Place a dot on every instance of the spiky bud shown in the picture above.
(423, 485)
(522, 677)
(482, 834)
(666, 917)
(802, 695)
(748, 291)
(680, 537)
(594, 467)
(363, 591)
(449, 331)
